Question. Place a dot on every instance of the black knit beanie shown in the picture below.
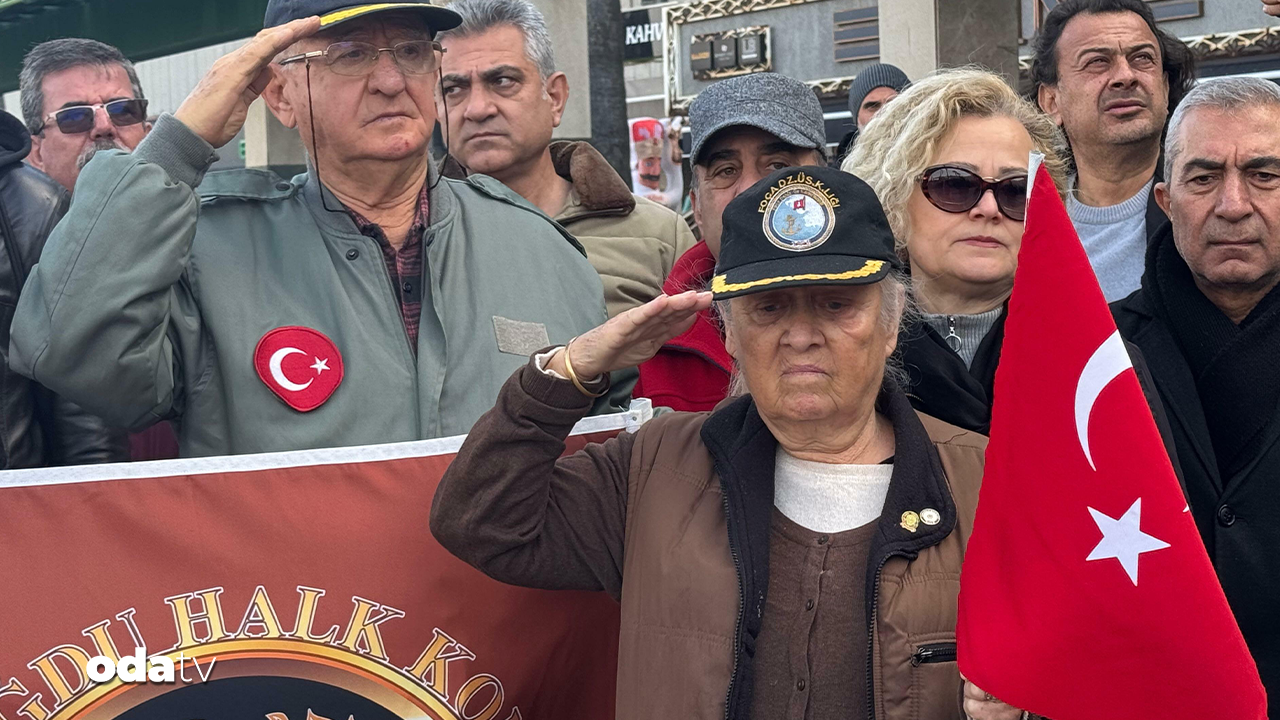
(878, 75)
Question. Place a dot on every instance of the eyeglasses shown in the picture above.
(955, 190)
(357, 59)
(79, 118)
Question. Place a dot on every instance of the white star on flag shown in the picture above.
(1123, 540)
(320, 365)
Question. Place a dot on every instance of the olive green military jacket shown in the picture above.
(153, 294)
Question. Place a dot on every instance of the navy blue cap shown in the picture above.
(803, 226)
(335, 12)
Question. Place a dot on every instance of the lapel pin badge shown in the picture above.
(910, 521)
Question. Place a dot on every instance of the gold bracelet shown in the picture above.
(573, 376)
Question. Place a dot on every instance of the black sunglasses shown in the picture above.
(955, 190)
(79, 118)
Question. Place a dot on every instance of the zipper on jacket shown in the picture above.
(737, 626)
(934, 653)
(871, 634)
(951, 334)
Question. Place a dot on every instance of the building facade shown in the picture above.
(676, 49)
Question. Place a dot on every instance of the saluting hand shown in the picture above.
(216, 109)
(631, 337)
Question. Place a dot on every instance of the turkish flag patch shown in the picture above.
(300, 365)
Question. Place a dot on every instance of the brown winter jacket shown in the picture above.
(632, 242)
(674, 522)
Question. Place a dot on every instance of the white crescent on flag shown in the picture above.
(1106, 364)
(277, 373)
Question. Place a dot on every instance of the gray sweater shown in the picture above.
(1115, 239)
(964, 333)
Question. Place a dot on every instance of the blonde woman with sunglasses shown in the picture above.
(948, 159)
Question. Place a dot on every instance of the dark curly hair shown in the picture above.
(1179, 63)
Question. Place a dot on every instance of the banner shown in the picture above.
(285, 586)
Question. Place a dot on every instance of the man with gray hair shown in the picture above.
(79, 96)
(365, 301)
(1207, 321)
(503, 98)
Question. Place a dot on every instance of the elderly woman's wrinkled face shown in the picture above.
(965, 254)
(811, 353)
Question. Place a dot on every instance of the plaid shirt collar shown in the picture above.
(421, 217)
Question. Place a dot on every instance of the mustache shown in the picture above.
(92, 149)
(1138, 94)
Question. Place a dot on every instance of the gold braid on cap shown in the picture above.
(870, 267)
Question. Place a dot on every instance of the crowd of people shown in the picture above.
(828, 344)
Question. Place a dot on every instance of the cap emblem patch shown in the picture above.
(799, 213)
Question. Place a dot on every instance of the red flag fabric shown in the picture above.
(287, 586)
(1086, 593)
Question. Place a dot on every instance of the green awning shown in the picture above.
(142, 29)
(7, 4)
(15, 12)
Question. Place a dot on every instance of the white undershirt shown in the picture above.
(829, 498)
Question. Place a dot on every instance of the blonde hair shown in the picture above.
(899, 143)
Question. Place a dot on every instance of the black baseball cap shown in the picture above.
(336, 12)
(803, 226)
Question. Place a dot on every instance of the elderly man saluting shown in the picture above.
(365, 301)
(794, 553)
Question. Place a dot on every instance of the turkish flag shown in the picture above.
(1086, 593)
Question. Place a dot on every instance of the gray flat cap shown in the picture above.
(774, 103)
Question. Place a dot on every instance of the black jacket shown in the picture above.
(1156, 219)
(1238, 516)
(37, 428)
(942, 386)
